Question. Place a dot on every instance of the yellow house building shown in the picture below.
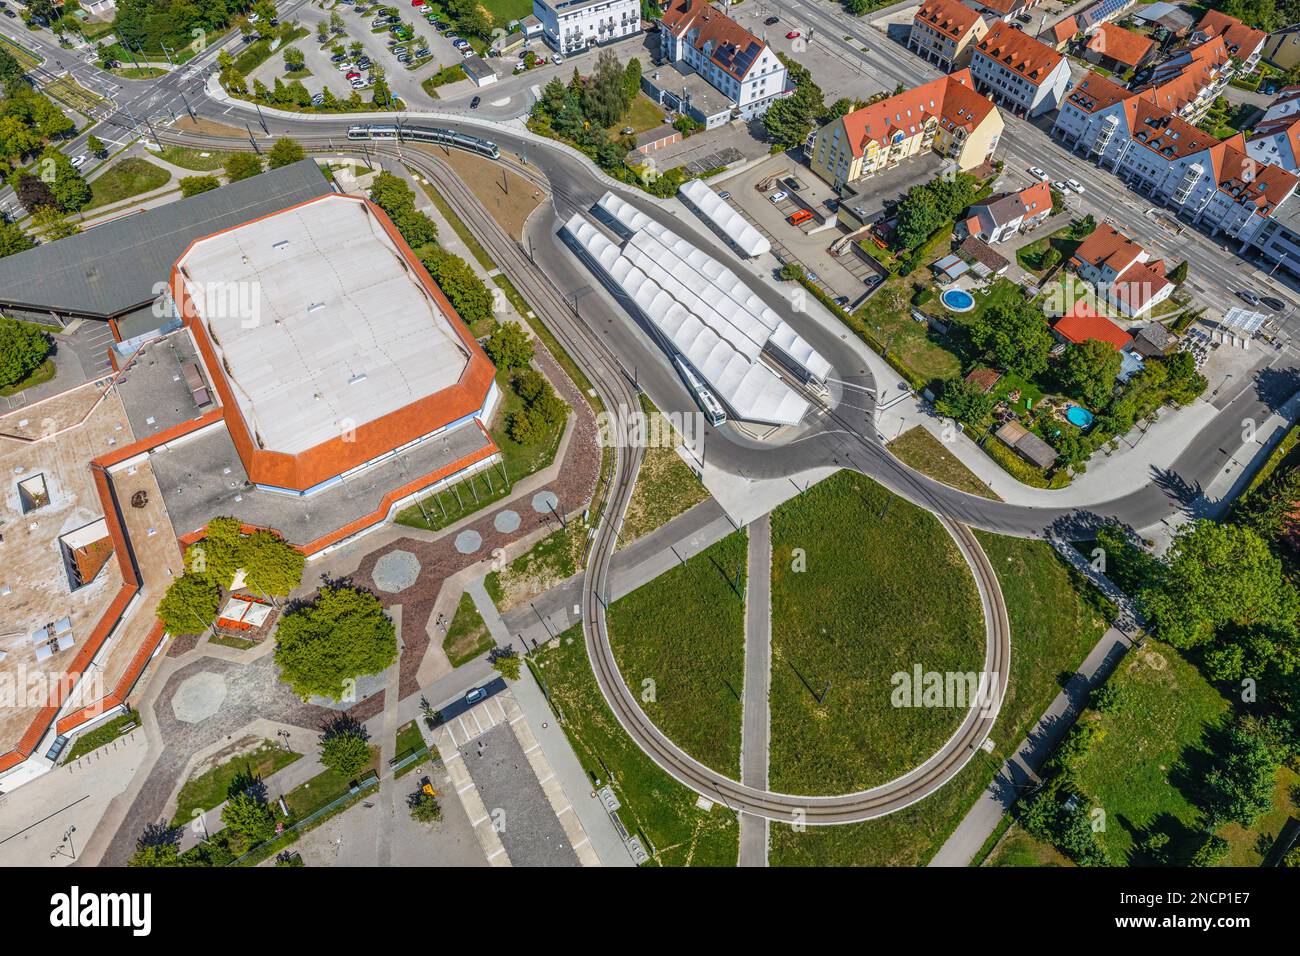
(945, 115)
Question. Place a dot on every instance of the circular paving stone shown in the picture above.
(396, 571)
(467, 542)
(506, 521)
(199, 697)
(544, 502)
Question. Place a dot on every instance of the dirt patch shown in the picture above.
(207, 127)
(510, 200)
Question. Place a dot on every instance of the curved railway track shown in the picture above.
(615, 387)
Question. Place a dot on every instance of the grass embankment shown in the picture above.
(1056, 618)
(555, 558)
(665, 485)
(129, 177)
(467, 635)
(101, 736)
(865, 585)
(920, 450)
(655, 808)
(210, 788)
(680, 645)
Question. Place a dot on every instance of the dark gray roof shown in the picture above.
(114, 268)
(1157, 335)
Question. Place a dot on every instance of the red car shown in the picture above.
(417, 3)
(792, 35)
(353, 75)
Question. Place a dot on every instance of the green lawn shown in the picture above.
(209, 789)
(885, 589)
(1055, 621)
(665, 485)
(1018, 848)
(1253, 847)
(920, 450)
(643, 114)
(656, 808)
(1030, 256)
(41, 374)
(467, 635)
(1144, 771)
(138, 72)
(327, 785)
(200, 160)
(100, 736)
(409, 741)
(887, 317)
(689, 678)
(126, 178)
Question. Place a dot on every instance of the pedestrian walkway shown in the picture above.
(757, 720)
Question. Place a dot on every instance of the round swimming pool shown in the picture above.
(958, 300)
(1077, 415)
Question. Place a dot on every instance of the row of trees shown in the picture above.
(152, 25)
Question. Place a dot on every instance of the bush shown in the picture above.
(23, 348)
(343, 746)
(424, 807)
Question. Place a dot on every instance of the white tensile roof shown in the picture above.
(319, 321)
(729, 222)
(704, 309)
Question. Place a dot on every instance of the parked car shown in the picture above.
(1038, 173)
(842, 301)
(363, 63)
(403, 58)
(557, 59)
(771, 20)
(792, 184)
(1075, 185)
(1277, 305)
(1059, 186)
(872, 281)
(475, 695)
(338, 58)
(793, 35)
(417, 3)
(799, 216)
(780, 196)
(78, 161)
(422, 52)
(9, 14)
(353, 75)
(318, 99)
(1248, 296)
(473, 104)
(724, 195)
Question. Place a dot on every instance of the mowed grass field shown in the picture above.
(680, 646)
(129, 177)
(665, 485)
(1055, 620)
(884, 589)
(1146, 768)
(655, 806)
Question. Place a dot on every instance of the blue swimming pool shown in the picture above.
(1077, 415)
(958, 300)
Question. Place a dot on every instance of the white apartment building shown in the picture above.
(730, 58)
(571, 26)
(1212, 183)
(1019, 72)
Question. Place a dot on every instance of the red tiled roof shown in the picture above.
(1022, 54)
(1140, 283)
(1107, 246)
(1065, 28)
(949, 17)
(1095, 92)
(950, 98)
(1241, 40)
(727, 36)
(1081, 323)
(1122, 46)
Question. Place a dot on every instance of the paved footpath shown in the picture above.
(757, 721)
(1021, 769)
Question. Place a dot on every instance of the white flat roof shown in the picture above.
(319, 321)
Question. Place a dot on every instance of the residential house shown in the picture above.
(1060, 33)
(1211, 183)
(1188, 82)
(1117, 49)
(1102, 11)
(1244, 43)
(1121, 272)
(1168, 21)
(944, 32)
(1153, 340)
(1277, 142)
(738, 64)
(571, 26)
(1001, 217)
(1018, 71)
(945, 116)
(1082, 324)
(1282, 48)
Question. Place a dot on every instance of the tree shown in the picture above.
(343, 746)
(1178, 275)
(424, 807)
(220, 553)
(505, 658)
(1016, 336)
(52, 225)
(1065, 824)
(242, 166)
(509, 346)
(190, 604)
(328, 642)
(1088, 371)
(789, 120)
(605, 97)
(193, 185)
(964, 401)
(466, 292)
(294, 59)
(322, 33)
(1240, 788)
(382, 95)
(391, 194)
(95, 145)
(158, 845)
(1051, 256)
(631, 79)
(22, 350)
(272, 566)
(1211, 852)
(69, 190)
(12, 240)
(33, 192)
(285, 152)
(1216, 577)
(336, 23)
(1084, 227)
(249, 817)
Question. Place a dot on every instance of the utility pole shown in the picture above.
(188, 108)
(262, 119)
(257, 149)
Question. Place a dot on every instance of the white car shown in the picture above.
(78, 161)
(1075, 185)
(1060, 187)
(779, 196)
(557, 59)
(1038, 173)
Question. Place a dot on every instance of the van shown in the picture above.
(801, 215)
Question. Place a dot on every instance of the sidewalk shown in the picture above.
(555, 745)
